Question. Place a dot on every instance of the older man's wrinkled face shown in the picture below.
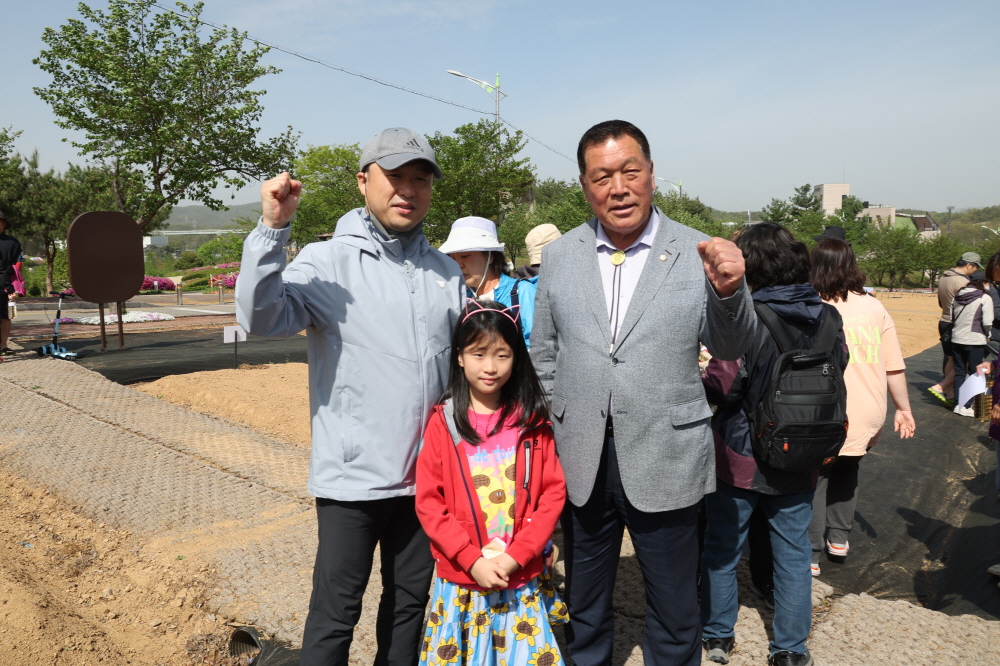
(619, 183)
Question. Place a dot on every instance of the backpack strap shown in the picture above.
(515, 303)
(777, 327)
(824, 339)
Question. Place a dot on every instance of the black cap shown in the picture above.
(832, 231)
(978, 276)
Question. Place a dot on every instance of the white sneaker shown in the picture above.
(838, 549)
(814, 568)
(964, 411)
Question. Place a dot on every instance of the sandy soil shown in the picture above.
(77, 592)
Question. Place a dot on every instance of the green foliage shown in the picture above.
(938, 254)
(188, 260)
(167, 111)
(778, 212)
(890, 254)
(483, 175)
(329, 188)
(804, 200)
(689, 212)
(222, 249)
(856, 228)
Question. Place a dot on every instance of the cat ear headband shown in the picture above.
(469, 311)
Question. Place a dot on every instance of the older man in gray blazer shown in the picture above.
(623, 302)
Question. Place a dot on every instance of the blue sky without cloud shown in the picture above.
(741, 101)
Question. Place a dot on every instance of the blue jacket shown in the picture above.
(526, 290)
(379, 319)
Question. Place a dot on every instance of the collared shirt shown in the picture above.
(635, 259)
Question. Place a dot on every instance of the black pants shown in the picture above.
(666, 544)
(348, 533)
(967, 357)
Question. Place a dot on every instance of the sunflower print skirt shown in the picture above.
(495, 628)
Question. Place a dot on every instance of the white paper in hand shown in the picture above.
(972, 386)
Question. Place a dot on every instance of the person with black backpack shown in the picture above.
(782, 415)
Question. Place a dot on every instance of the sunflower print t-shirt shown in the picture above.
(492, 465)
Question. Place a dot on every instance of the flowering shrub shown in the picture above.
(161, 283)
(66, 320)
(130, 318)
(235, 264)
(227, 280)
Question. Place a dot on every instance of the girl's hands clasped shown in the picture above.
(489, 574)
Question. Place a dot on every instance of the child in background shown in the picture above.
(489, 492)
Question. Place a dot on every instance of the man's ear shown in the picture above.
(362, 182)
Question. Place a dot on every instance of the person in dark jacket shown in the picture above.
(11, 255)
(777, 271)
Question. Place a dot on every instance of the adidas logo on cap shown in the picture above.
(412, 144)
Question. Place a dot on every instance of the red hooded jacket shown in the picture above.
(449, 511)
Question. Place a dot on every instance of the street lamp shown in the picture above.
(494, 91)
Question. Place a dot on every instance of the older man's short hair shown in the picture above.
(609, 129)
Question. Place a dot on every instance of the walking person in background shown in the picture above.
(972, 316)
(876, 365)
(948, 285)
(379, 305)
(993, 276)
(777, 271)
(536, 239)
(489, 492)
(473, 244)
(11, 257)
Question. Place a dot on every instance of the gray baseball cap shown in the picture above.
(972, 258)
(394, 147)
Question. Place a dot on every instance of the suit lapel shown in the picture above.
(654, 272)
(590, 280)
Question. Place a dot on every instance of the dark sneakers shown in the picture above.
(786, 658)
(719, 649)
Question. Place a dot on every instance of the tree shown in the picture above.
(805, 200)
(689, 212)
(483, 175)
(329, 187)
(778, 212)
(891, 254)
(167, 112)
(223, 249)
(938, 254)
(849, 214)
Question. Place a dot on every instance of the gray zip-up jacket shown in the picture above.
(379, 318)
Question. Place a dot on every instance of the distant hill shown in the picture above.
(183, 218)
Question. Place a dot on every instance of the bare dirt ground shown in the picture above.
(74, 591)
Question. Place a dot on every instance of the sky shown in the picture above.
(741, 101)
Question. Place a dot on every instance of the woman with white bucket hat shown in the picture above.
(473, 243)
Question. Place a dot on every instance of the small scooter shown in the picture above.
(55, 349)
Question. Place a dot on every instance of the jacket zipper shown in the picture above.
(468, 494)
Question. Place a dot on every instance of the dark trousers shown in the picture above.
(348, 533)
(967, 357)
(666, 544)
(761, 560)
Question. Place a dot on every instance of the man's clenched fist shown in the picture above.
(279, 197)
(723, 263)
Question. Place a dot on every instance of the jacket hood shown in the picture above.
(354, 225)
(794, 302)
(968, 295)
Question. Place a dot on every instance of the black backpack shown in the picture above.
(801, 421)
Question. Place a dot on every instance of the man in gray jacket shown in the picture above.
(623, 302)
(379, 305)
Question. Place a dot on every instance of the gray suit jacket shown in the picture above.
(662, 434)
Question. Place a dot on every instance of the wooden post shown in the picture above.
(104, 338)
(121, 331)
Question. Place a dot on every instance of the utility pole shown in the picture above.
(950, 208)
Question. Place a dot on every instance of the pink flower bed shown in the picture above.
(227, 280)
(161, 283)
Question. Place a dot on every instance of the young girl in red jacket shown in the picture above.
(489, 492)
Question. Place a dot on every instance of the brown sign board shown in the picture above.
(106, 264)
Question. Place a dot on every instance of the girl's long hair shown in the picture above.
(521, 397)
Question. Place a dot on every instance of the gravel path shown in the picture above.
(235, 498)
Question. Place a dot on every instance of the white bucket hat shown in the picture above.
(472, 234)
